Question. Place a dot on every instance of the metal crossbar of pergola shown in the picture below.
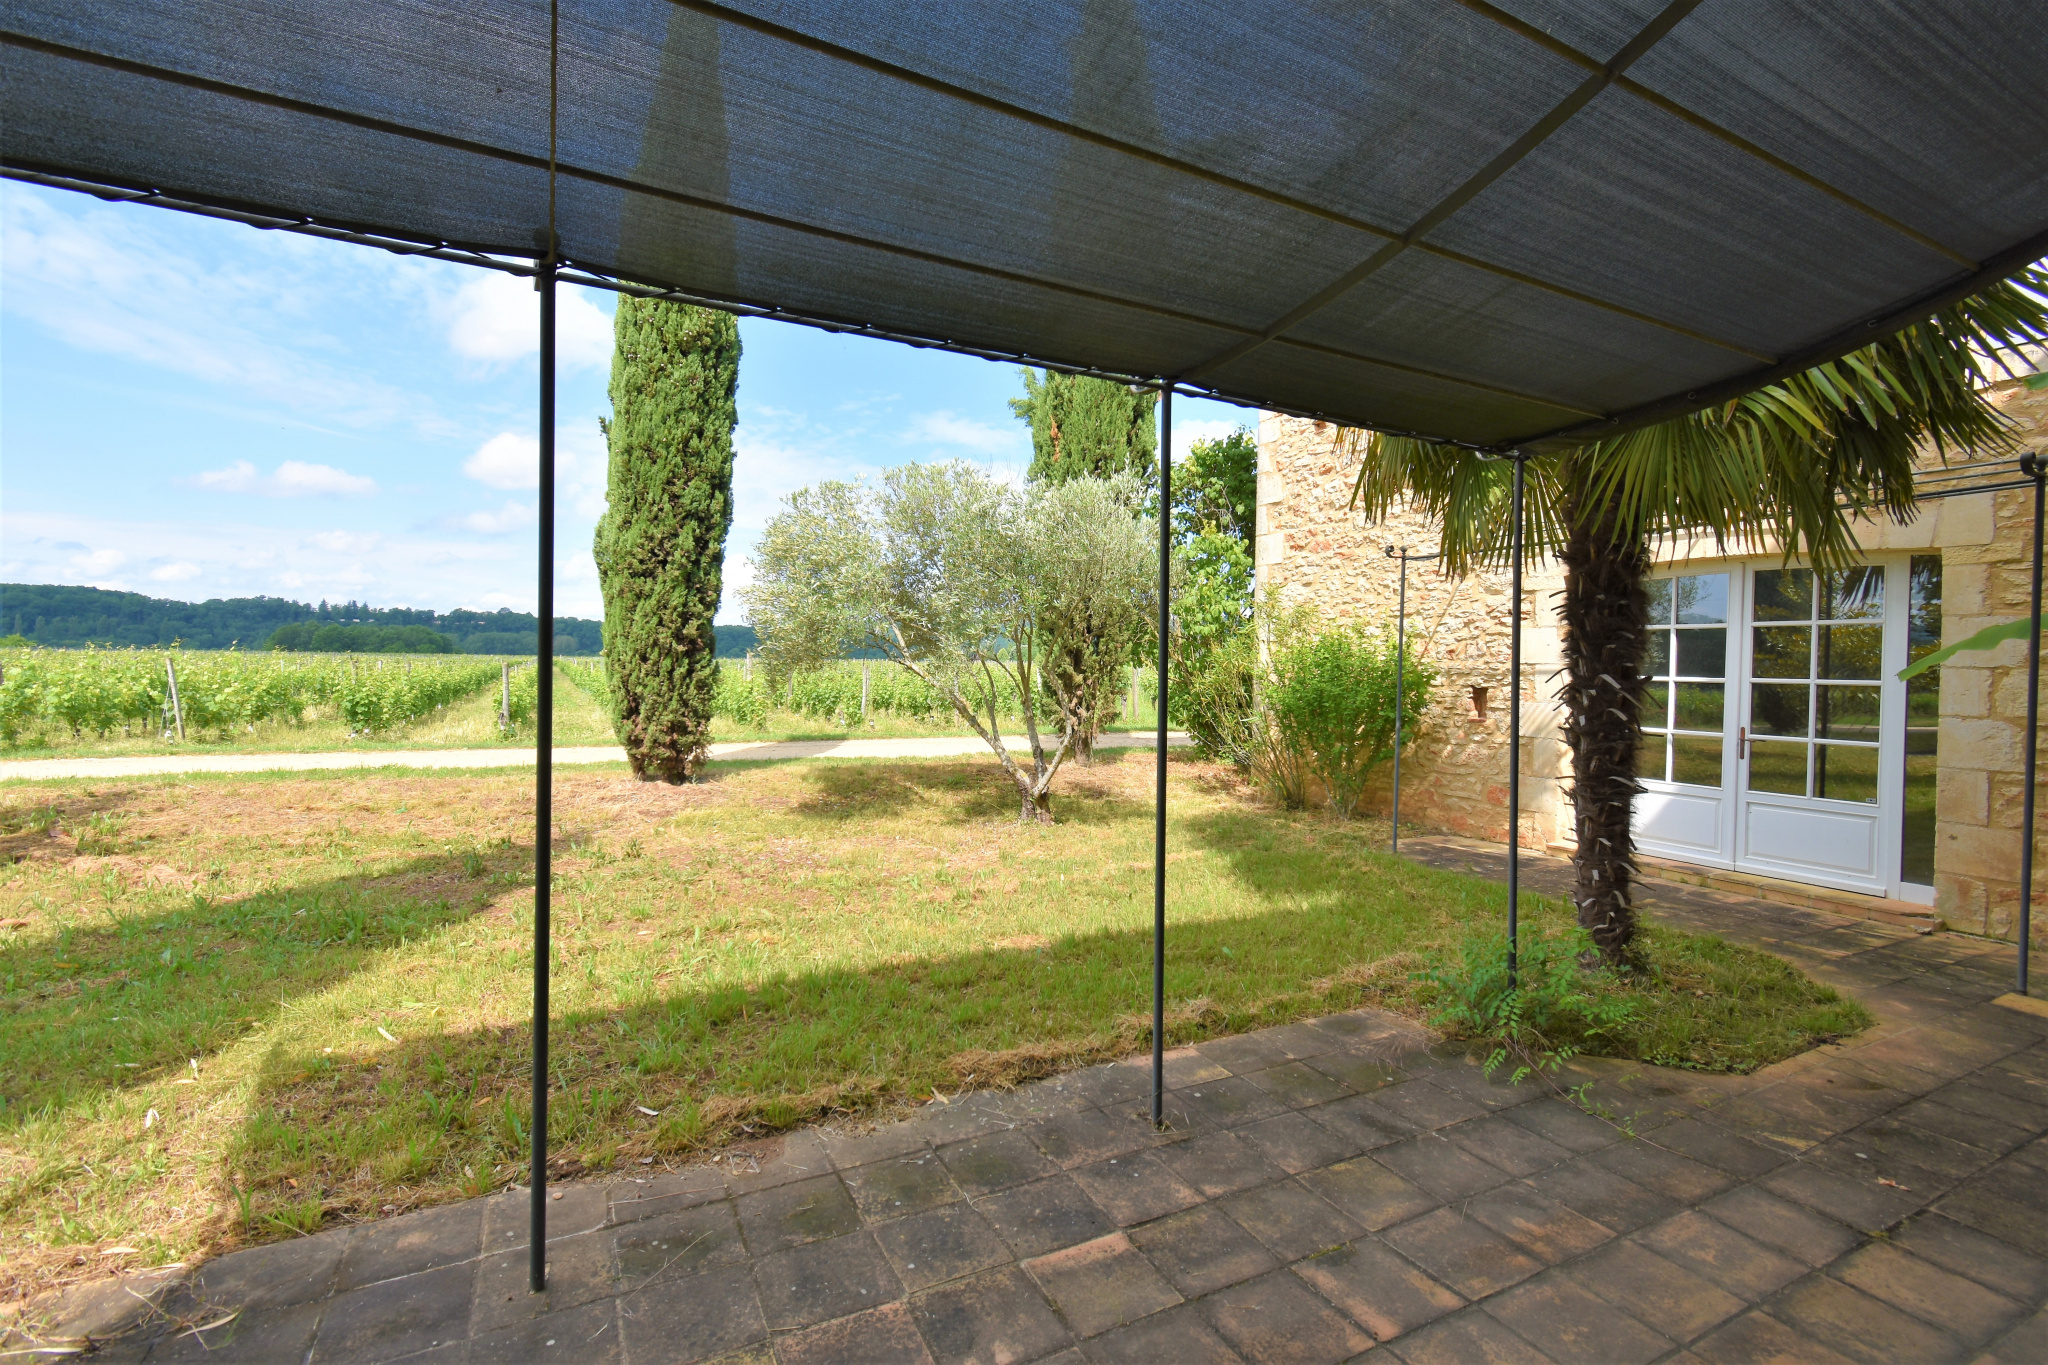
(1504, 226)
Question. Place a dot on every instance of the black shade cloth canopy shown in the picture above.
(1486, 224)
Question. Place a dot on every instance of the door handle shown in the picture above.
(1741, 743)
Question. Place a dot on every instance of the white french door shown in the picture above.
(1768, 737)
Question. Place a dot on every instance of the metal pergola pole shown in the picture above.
(2037, 469)
(1515, 727)
(544, 738)
(1159, 765)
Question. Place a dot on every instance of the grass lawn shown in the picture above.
(240, 1006)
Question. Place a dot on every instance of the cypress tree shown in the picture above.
(661, 544)
(1083, 427)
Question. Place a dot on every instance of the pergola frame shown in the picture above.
(552, 265)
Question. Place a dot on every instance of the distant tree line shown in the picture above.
(56, 616)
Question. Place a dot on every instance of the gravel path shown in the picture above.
(155, 764)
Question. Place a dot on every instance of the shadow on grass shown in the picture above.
(133, 997)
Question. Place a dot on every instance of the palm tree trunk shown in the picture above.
(1605, 623)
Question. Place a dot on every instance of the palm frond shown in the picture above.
(1790, 464)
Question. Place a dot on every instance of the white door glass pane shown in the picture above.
(1701, 599)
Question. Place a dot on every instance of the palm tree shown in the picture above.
(1791, 464)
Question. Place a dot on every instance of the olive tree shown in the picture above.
(961, 580)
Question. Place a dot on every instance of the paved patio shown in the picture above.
(1329, 1189)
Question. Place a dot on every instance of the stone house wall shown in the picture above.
(1311, 547)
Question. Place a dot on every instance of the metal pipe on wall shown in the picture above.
(1515, 729)
(2036, 467)
(543, 795)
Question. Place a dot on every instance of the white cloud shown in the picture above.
(496, 319)
(949, 429)
(176, 573)
(296, 478)
(508, 460)
(337, 542)
(510, 517)
(293, 479)
(100, 561)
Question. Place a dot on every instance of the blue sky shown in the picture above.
(195, 409)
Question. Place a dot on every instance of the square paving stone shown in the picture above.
(1462, 1252)
(1101, 1284)
(1277, 1320)
(1756, 1337)
(1086, 1136)
(1202, 1250)
(1298, 1085)
(698, 1317)
(1246, 1053)
(408, 1245)
(632, 1200)
(1044, 1216)
(573, 1206)
(1228, 1102)
(579, 1269)
(2026, 1344)
(1289, 1220)
(1602, 1195)
(1180, 1335)
(1218, 1163)
(298, 1271)
(1361, 1074)
(1741, 1265)
(1382, 1292)
(888, 1189)
(880, 1336)
(996, 1162)
(1183, 1066)
(822, 1280)
(1964, 1307)
(1860, 1326)
(1566, 1323)
(1113, 1083)
(1300, 1041)
(943, 1244)
(1974, 1098)
(1546, 1230)
(1511, 1147)
(1356, 1120)
(1467, 1338)
(1667, 1173)
(1716, 1147)
(1901, 1152)
(1420, 1105)
(1862, 1204)
(996, 1316)
(801, 1211)
(1780, 1224)
(587, 1333)
(677, 1244)
(1966, 1251)
(397, 1317)
(1296, 1143)
(281, 1333)
(1564, 1124)
(1658, 1293)
(1135, 1189)
(1495, 1092)
(799, 1155)
(1442, 1167)
(847, 1150)
(1984, 1205)
(1368, 1193)
(1993, 1136)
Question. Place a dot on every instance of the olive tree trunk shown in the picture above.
(1605, 619)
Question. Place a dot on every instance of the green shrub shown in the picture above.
(1329, 688)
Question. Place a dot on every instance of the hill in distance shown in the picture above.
(62, 617)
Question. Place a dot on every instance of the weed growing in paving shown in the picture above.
(265, 1003)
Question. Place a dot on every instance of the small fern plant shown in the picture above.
(1542, 1019)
